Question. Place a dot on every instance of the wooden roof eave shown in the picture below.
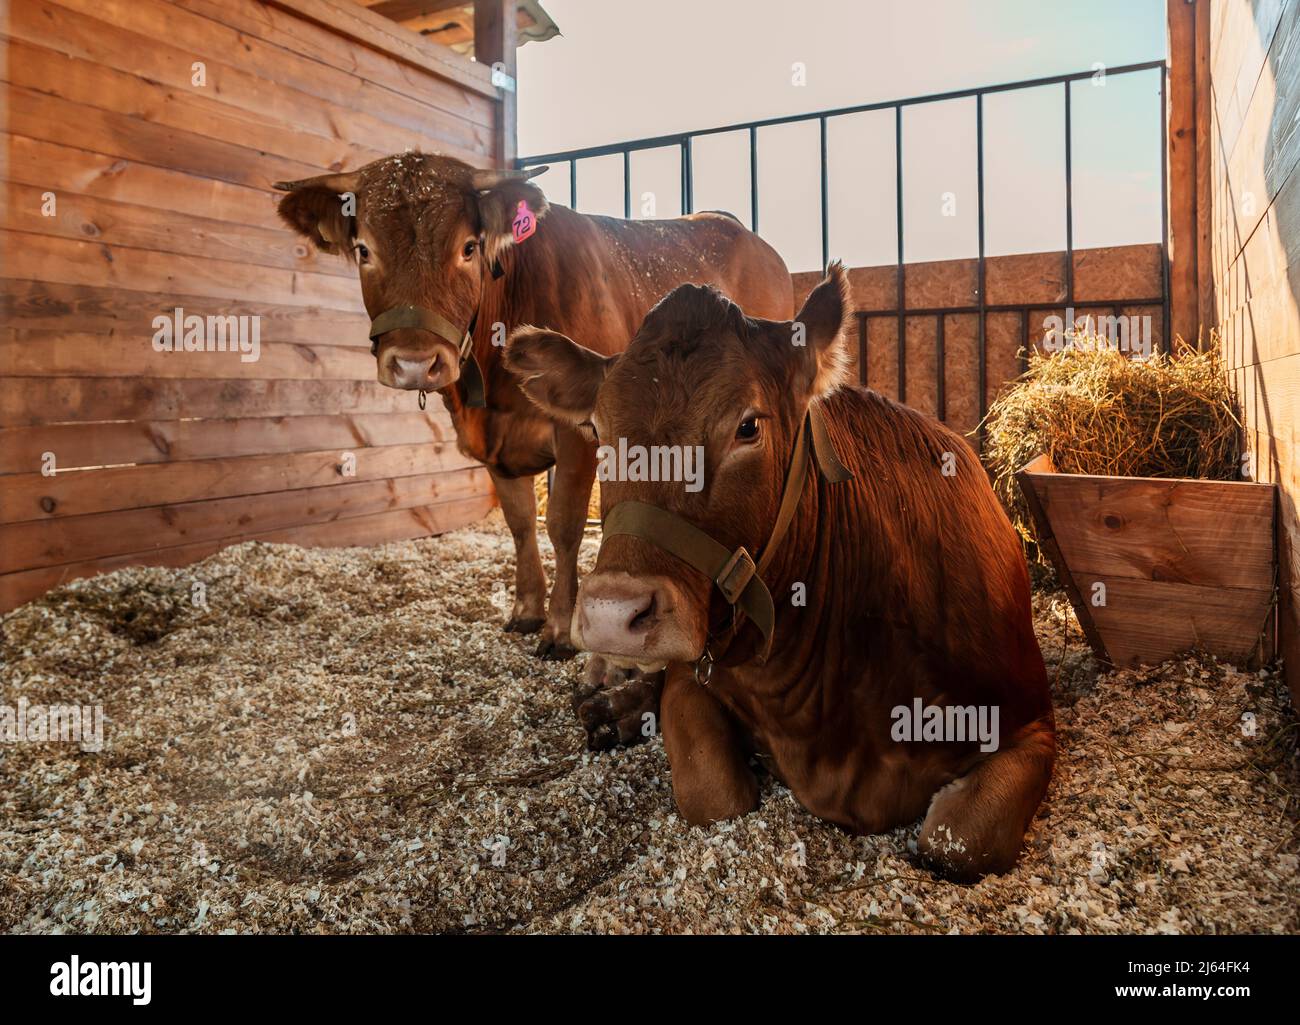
(374, 30)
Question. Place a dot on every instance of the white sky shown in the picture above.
(628, 69)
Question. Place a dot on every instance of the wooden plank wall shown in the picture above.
(1255, 252)
(1116, 275)
(162, 199)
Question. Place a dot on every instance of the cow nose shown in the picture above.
(617, 613)
(407, 373)
(400, 367)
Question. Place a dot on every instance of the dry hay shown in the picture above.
(542, 490)
(1094, 410)
(234, 797)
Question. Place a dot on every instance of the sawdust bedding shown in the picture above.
(345, 741)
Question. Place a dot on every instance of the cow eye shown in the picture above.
(470, 246)
(363, 253)
(748, 429)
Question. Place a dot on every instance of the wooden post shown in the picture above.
(1208, 314)
(1184, 238)
(495, 38)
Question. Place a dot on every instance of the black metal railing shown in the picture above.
(683, 140)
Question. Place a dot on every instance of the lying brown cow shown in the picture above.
(452, 259)
(889, 588)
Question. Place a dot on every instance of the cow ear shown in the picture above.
(323, 209)
(820, 324)
(499, 196)
(560, 376)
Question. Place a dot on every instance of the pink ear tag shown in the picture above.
(524, 223)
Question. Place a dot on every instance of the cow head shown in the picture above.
(702, 376)
(424, 231)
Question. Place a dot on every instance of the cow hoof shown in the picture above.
(551, 650)
(617, 707)
(524, 624)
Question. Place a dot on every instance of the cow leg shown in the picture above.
(711, 776)
(617, 706)
(519, 505)
(976, 824)
(566, 515)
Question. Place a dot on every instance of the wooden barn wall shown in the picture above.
(162, 199)
(1119, 274)
(1254, 108)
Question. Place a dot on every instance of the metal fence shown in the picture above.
(981, 308)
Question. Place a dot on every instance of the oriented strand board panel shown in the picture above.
(1003, 339)
(961, 371)
(922, 364)
(1117, 272)
(1026, 278)
(162, 199)
(882, 355)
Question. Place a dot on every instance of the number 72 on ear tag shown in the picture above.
(524, 223)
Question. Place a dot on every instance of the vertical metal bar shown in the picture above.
(753, 178)
(1164, 213)
(681, 176)
(941, 402)
(627, 183)
(1069, 213)
(573, 184)
(982, 344)
(862, 350)
(902, 288)
(688, 178)
(826, 199)
(690, 173)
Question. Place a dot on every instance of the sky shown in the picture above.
(628, 69)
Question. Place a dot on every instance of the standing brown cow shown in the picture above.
(453, 258)
(883, 624)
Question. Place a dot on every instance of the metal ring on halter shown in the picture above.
(704, 668)
(423, 393)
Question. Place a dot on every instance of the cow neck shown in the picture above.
(738, 578)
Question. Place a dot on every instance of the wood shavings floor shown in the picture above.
(345, 741)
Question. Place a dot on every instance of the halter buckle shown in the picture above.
(735, 575)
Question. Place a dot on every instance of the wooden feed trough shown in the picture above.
(1157, 567)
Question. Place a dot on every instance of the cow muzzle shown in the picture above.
(452, 358)
(400, 367)
(642, 621)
